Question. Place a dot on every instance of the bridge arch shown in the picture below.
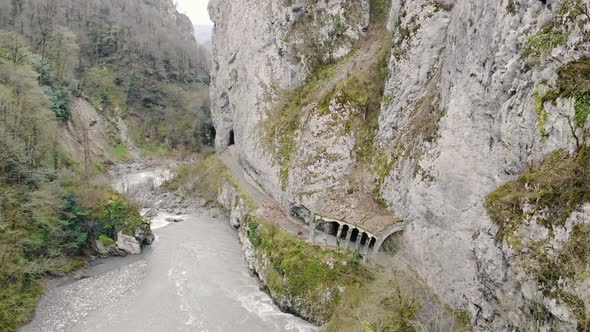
(344, 231)
(372, 243)
(386, 233)
(354, 235)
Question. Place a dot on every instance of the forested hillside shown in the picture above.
(138, 57)
(132, 59)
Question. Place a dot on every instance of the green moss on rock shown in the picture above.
(307, 277)
(541, 44)
(573, 81)
(582, 109)
(105, 240)
(550, 193)
(379, 10)
(541, 114)
(511, 7)
(560, 185)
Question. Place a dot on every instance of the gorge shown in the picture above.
(333, 165)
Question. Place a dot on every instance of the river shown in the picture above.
(193, 278)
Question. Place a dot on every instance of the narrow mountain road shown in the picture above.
(277, 214)
(229, 159)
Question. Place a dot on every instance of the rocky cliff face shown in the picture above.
(263, 48)
(462, 109)
(475, 94)
(168, 11)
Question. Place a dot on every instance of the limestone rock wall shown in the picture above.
(265, 47)
(461, 120)
(460, 116)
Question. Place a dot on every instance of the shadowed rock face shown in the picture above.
(458, 119)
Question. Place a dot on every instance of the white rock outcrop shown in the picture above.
(128, 244)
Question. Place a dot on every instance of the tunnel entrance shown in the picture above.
(232, 138)
(212, 135)
(331, 228)
(392, 244)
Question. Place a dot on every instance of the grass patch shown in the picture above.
(205, 177)
(105, 240)
(150, 147)
(379, 11)
(561, 185)
(18, 300)
(395, 301)
(573, 78)
(376, 306)
(120, 152)
(541, 44)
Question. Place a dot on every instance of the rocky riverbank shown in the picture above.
(62, 307)
(107, 279)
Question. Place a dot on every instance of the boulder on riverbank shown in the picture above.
(128, 244)
(143, 234)
(106, 250)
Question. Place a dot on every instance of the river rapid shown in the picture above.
(193, 278)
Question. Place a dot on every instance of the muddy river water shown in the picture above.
(193, 278)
